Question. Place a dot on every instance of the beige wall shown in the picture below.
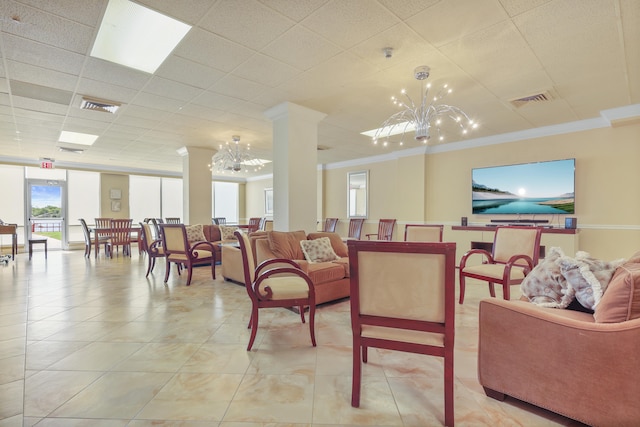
(436, 188)
(107, 183)
(255, 197)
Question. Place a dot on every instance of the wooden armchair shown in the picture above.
(87, 238)
(330, 225)
(385, 230)
(403, 298)
(152, 247)
(423, 233)
(177, 249)
(275, 283)
(120, 235)
(355, 228)
(254, 224)
(514, 253)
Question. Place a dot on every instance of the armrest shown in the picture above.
(468, 254)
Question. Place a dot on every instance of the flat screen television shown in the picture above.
(527, 188)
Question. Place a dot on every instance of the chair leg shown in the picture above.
(312, 317)
(150, 266)
(213, 268)
(365, 353)
(254, 327)
(189, 272)
(492, 289)
(462, 287)
(356, 375)
(301, 308)
(166, 271)
(448, 388)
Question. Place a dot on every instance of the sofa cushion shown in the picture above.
(211, 232)
(338, 245)
(324, 272)
(588, 277)
(286, 244)
(344, 262)
(318, 250)
(195, 233)
(621, 300)
(545, 285)
(226, 232)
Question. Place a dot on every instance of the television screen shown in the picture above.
(528, 188)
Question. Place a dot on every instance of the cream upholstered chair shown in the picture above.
(514, 253)
(423, 233)
(403, 298)
(385, 230)
(177, 249)
(152, 247)
(275, 282)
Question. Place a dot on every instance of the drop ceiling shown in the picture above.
(243, 57)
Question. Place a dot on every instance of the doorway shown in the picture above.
(46, 212)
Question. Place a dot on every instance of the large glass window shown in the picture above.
(225, 201)
(144, 197)
(172, 198)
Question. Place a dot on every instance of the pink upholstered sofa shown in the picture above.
(581, 365)
(330, 278)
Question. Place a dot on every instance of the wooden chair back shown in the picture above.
(173, 220)
(355, 228)
(254, 224)
(403, 298)
(87, 237)
(423, 233)
(219, 220)
(330, 225)
(513, 240)
(103, 223)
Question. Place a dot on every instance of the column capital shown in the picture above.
(287, 109)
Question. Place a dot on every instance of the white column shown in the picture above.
(196, 184)
(295, 162)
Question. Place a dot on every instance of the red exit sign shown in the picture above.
(46, 164)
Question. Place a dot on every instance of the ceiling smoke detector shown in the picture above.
(99, 105)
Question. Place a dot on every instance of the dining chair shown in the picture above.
(105, 225)
(403, 299)
(152, 247)
(87, 238)
(423, 233)
(219, 220)
(330, 225)
(179, 250)
(515, 251)
(275, 282)
(355, 228)
(173, 220)
(385, 230)
(254, 224)
(120, 235)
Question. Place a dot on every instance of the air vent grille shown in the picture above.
(71, 150)
(538, 97)
(99, 105)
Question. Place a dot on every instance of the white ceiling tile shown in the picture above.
(212, 50)
(247, 22)
(171, 89)
(295, 9)
(407, 8)
(182, 69)
(40, 76)
(347, 23)
(41, 55)
(237, 87)
(266, 70)
(301, 48)
(516, 7)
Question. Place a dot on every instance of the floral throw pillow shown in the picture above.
(318, 250)
(226, 232)
(545, 285)
(195, 233)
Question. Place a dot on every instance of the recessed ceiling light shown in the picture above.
(77, 138)
(137, 37)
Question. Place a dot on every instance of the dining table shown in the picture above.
(105, 231)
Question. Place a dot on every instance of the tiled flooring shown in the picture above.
(86, 342)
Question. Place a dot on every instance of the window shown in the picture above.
(225, 201)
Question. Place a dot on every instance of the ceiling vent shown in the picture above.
(99, 105)
(538, 97)
(71, 150)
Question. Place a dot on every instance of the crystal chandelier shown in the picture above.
(234, 158)
(424, 117)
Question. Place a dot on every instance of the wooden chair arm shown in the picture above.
(266, 263)
(484, 253)
(512, 262)
(209, 247)
(275, 271)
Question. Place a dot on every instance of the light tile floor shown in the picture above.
(91, 342)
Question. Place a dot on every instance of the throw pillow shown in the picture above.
(286, 244)
(588, 277)
(226, 232)
(545, 285)
(338, 245)
(621, 300)
(195, 233)
(318, 250)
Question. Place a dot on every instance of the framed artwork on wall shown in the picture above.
(268, 201)
(115, 206)
(115, 193)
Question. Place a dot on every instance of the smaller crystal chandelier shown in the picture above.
(234, 158)
(424, 117)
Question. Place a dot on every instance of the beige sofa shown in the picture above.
(331, 278)
(581, 365)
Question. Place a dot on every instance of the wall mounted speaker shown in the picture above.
(571, 223)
